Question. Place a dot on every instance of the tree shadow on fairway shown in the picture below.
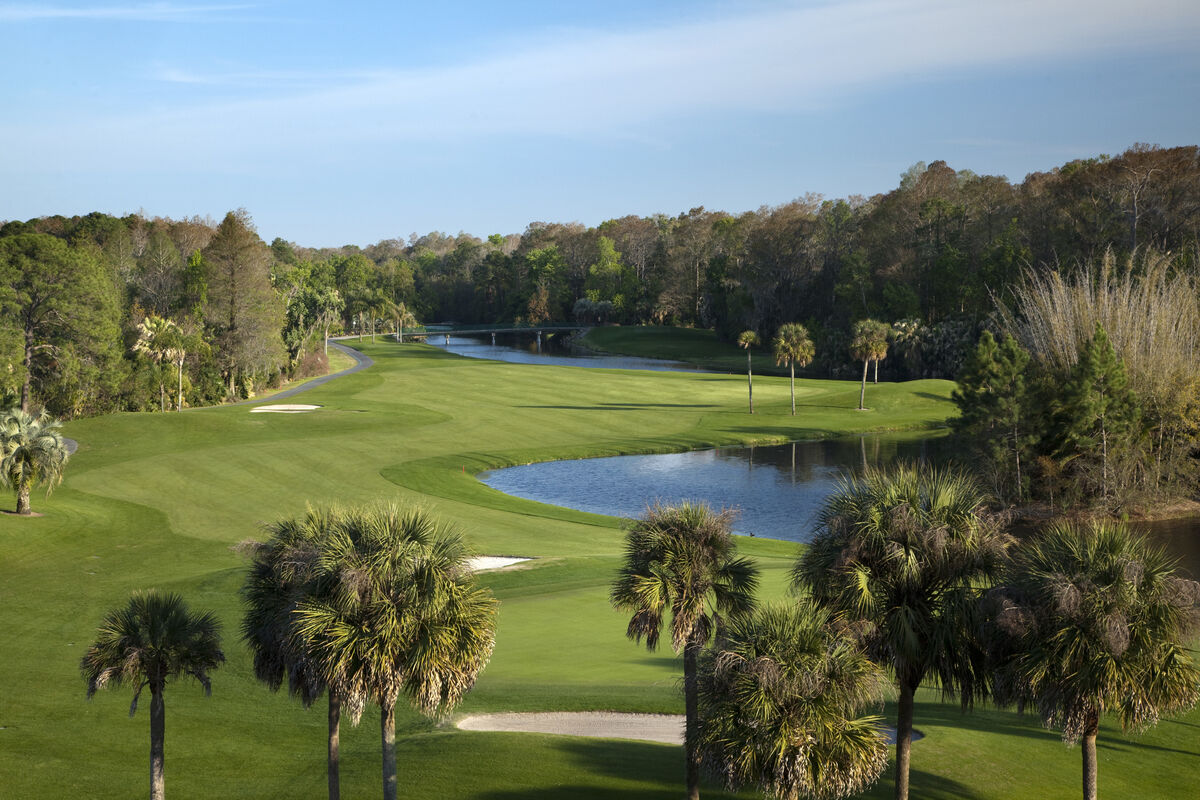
(925, 785)
(623, 406)
(616, 770)
(986, 720)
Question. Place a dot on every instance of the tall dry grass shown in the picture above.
(1151, 313)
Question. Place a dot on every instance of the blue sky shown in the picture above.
(336, 123)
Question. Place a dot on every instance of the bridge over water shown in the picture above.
(493, 328)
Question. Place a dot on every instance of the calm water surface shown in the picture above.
(523, 349)
(776, 490)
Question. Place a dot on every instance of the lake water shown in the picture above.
(777, 491)
(522, 348)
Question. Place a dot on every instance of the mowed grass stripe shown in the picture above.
(158, 500)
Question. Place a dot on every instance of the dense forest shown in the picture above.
(106, 313)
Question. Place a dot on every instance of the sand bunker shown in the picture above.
(663, 728)
(482, 563)
(284, 408)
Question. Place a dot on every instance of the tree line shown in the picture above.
(928, 257)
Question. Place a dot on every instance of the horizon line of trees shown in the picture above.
(929, 256)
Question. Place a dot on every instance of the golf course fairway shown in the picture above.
(161, 501)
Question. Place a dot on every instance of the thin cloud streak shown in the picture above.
(609, 86)
(148, 12)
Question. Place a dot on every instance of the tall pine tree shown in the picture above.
(996, 414)
(1099, 422)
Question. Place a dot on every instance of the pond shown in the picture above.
(776, 490)
(522, 348)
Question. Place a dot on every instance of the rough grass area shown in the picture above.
(690, 345)
(159, 500)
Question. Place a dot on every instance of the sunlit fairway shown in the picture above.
(158, 500)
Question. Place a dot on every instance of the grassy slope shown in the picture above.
(691, 345)
(158, 500)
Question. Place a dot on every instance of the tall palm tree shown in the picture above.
(158, 340)
(902, 553)
(153, 639)
(869, 343)
(404, 616)
(403, 318)
(285, 571)
(780, 695)
(1090, 621)
(746, 340)
(32, 451)
(682, 560)
(793, 346)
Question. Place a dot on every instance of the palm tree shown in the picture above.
(868, 344)
(329, 304)
(902, 553)
(403, 616)
(681, 559)
(285, 571)
(746, 340)
(1090, 621)
(32, 451)
(779, 699)
(403, 318)
(152, 639)
(793, 346)
(157, 340)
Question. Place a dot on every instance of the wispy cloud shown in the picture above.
(141, 12)
(609, 85)
(785, 59)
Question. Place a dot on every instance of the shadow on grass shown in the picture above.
(625, 406)
(925, 785)
(656, 772)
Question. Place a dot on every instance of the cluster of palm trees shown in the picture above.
(792, 346)
(32, 452)
(362, 604)
(907, 575)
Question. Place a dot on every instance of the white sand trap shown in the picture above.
(283, 408)
(663, 728)
(481, 563)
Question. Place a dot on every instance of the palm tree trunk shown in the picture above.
(158, 730)
(750, 379)
(691, 717)
(862, 395)
(179, 397)
(162, 397)
(327, 339)
(23, 498)
(792, 367)
(335, 715)
(387, 724)
(876, 380)
(904, 719)
(1089, 756)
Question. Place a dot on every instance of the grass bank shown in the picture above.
(159, 500)
(689, 345)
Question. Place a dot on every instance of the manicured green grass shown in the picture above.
(690, 345)
(159, 500)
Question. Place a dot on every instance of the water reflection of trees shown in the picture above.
(804, 462)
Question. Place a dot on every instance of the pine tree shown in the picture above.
(1099, 421)
(995, 411)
